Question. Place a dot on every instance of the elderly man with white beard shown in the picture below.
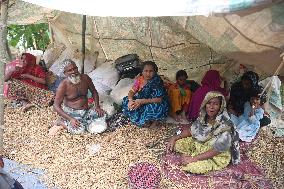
(71, 101)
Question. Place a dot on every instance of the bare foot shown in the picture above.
(176, 117)
(183, 116)
(55, 130)
(153, 125)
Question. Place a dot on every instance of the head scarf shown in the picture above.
(210, 82)
(208, 97)
(252, 77)
(30, 59)
(212, 78)
(221, 118)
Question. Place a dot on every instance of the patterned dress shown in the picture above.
(248, 127)
(220, 136)
(147, 112)
(85, 117)
(179, 97)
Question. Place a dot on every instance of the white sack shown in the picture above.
(102, 89)
(121, 90)
(75, 55)
(52, 54)
(106, 103)
(106, 74)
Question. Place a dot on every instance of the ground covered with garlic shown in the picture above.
(102, 161)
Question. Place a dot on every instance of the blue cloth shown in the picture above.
(248, 127)
(27, 176)
(53, 87)
(152, 111)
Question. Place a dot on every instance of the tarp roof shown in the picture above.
(253, 36)
(135, 8)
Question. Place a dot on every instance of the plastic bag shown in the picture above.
(98, 126)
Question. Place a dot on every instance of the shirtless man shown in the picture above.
(71, 101)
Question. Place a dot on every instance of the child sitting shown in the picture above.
(179, 94)
(248, 123)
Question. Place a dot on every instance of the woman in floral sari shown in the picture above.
(147, 101)
(27, 82)
(212, 141)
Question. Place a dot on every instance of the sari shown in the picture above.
(220, 136)
(151, 111)
(27, 89)
(210, 82)
(33, 69)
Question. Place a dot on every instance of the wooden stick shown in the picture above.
(275, 73)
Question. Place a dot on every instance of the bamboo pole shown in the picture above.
(275, 73)
(3, 59)
(83, 41)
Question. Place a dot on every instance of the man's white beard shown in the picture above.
(75, 79)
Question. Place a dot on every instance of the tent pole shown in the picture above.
(83, 42)
(275, 73)
(4, 57)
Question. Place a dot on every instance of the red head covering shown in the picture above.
(212, 78)
(31, 68)
(210, 82)
(30, 59)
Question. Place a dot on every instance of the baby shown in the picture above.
(248, 123)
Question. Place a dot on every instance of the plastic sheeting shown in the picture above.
(28, 177)
(254, 36)
(130, 8)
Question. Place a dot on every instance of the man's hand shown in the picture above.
(75, 123)
(100, 111)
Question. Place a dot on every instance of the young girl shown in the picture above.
(179, 94)
(248, 123)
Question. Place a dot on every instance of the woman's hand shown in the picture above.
(1, 162)
(131, 104)
(26, 76)
(171, 145)
(184, 160)
(138, 103)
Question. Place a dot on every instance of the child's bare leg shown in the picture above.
(183, 116)
(177, 117)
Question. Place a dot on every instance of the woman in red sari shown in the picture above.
(211, 82)
(27, 82)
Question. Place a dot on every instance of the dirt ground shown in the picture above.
(70, 161)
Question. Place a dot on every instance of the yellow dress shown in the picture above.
(189, 146)
(177, 100)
